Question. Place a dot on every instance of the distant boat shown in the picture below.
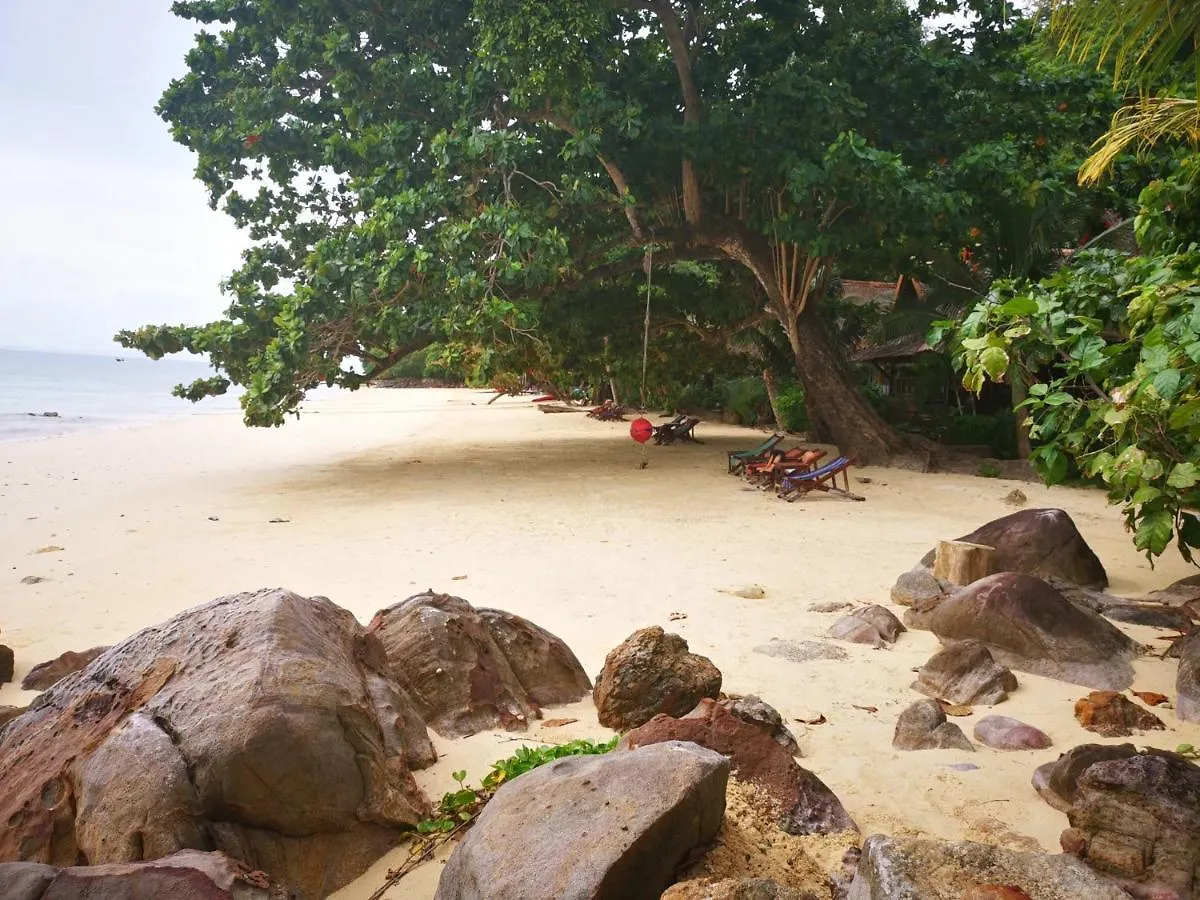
(120, 359)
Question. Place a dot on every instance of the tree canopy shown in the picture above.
(470, 169)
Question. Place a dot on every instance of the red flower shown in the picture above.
(252, 139)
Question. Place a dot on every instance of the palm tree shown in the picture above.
(1144, 40)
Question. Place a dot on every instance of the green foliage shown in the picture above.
(997, 432)
(792, 408)
(1110, 349)
(460, 807)
(745, 400)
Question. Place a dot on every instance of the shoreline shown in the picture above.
(386, 493)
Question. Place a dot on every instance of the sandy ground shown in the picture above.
(387, 493)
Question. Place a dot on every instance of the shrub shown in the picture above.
(792, 408)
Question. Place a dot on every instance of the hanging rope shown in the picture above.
(648, 265)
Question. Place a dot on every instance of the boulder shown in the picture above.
(1136, 819)
(1187, 678)
(1057, 782)
(1029, 626)
(650, 673)
(873, 625)
(758, 712)
(186, 875)
(1038, 542)
(1110, 714)
(1004, 733)
(608, 827)
(43, 675)
(923, 726)
(735, 889)
(1183, 592)
(6, 664)
(805, 804)
(897, 868)
(265, 725)
(964, 673)
(8, 713)
(1150, 615)
(471, 669)
(918, 584)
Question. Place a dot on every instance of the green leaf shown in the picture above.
(1154, 532)
(994, 362)
(1145, 494)
(1058, 398)
(1184, 475)
(1020, 305)
(1055, 462)
(1038, 390)
(1166, 383)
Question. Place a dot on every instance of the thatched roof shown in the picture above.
(903, 347)
(881, 294)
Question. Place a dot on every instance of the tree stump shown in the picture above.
(960, 562)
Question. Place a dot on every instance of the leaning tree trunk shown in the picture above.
(772, 387)
(834, 400)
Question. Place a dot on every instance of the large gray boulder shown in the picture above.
(1187, 678)
(1136, 819)
(609, 827)
(265, 725)
(1029, 626)
(923, 726)
(1038, 542)
(895, 868)
(649, 673)
(1057, 782)
(470, 669)
(186, 875)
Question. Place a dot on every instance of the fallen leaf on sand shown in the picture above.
(1151, 698)
(277, 520)
(557, 723)
(458, 577)
(954, 709)
(676, 616)
(214, 518)
(819, 720)
(870, 709)
(754, 592)
(52, 548)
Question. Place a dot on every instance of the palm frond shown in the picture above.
(1142, 124)
(1142, 38)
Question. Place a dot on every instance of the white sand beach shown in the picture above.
(385, 493)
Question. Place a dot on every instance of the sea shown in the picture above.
(49, 394)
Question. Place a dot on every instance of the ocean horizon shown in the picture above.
(45, 394)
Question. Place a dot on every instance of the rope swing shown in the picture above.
(648, 266)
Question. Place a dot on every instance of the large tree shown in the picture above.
(454, 168)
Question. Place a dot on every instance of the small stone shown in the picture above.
(1016, 497)
(800, 651)
(965, 673)
(1113, 715)
(1004, 733)
(830, 606)
(923, 726)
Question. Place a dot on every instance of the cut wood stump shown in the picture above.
(960, 562)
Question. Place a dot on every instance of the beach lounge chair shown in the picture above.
(823, 479)
(738, 458)
(681, 429)
(769, 472)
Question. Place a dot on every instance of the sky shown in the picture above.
(102, 225)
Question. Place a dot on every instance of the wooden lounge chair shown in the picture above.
(738, 458)
(608, 412)
(682, 430)
(790, 462)
(823, 479)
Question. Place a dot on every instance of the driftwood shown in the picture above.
(960, 562)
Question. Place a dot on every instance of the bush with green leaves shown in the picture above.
(1109, 350)
(792, 408)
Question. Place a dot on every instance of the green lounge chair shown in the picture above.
(739, 458)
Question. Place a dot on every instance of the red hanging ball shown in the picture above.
(641, 430)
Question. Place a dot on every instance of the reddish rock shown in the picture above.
(1038, 542)
(186, 875)
(6, 664)
(650, 673)
(1004, 733)
(8, 713)
(1110, 714)
(43, 675)
(964, 673)
(758, 712)
(807, 806)
(1029, 626)
(923, 726)
(265, 725)
(1135, 819)
(610, 827)
(873, 625)
(470, 669)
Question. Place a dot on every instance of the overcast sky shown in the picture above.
(102, 226)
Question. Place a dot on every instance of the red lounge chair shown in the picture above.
(796, 459)
(823, 479)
